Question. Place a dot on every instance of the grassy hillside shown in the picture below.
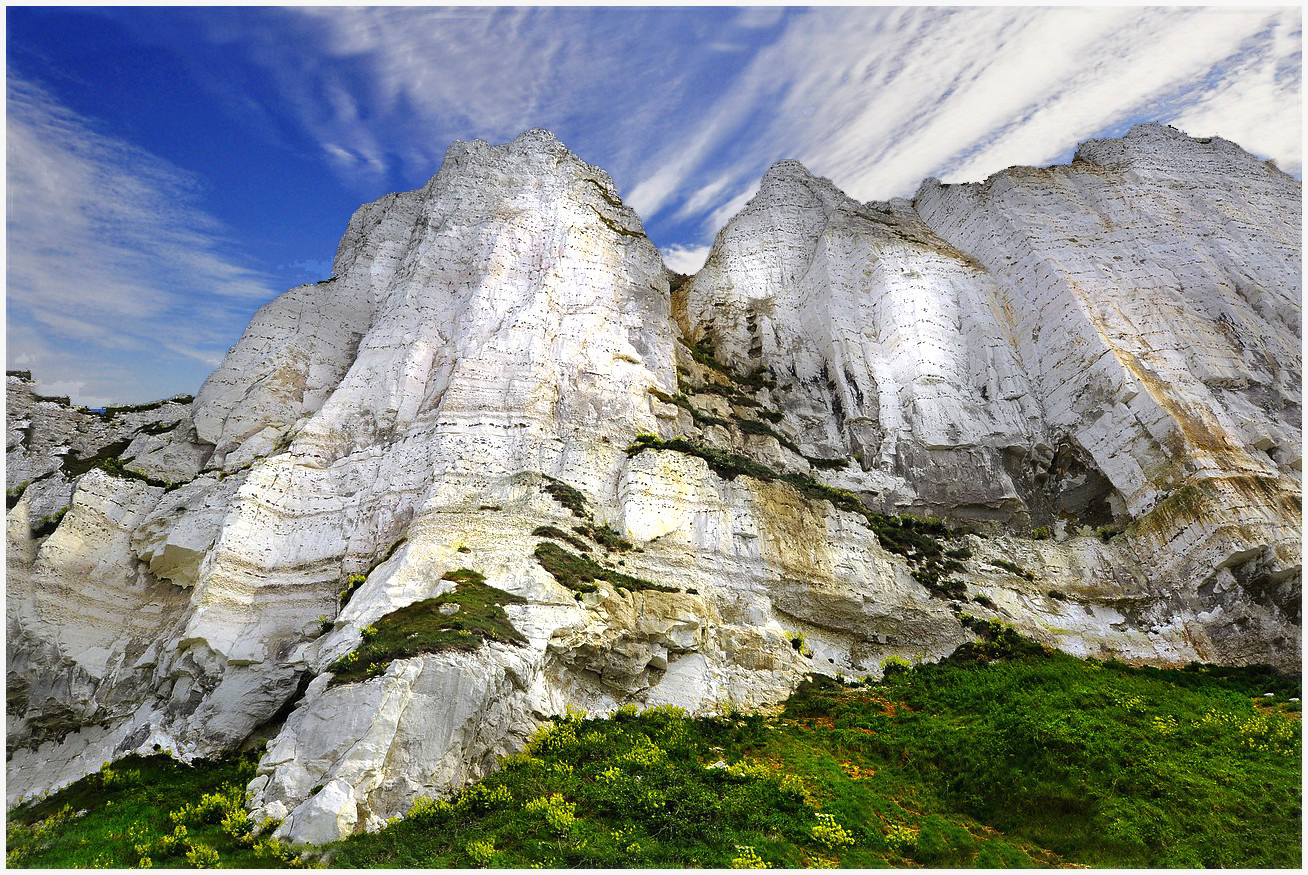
(1003, 755)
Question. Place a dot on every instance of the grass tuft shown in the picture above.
(75, 466)
(461, 619)
(1014, 568)
(48, 523)
(116, 467)
(578, 573)
(560, 535)
(15, 495)
(568, 496)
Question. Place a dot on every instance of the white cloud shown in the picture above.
(1171, 55)
(648, 195)
(388, 89)
(877, 103)
(110, 261)
(878, 100)
(685, 259)
(703, 198)
(723, 212)
(1257, 102)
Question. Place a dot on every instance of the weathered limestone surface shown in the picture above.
(1111, 345)
(1114, 342)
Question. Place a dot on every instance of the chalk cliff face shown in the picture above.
(1094, 367)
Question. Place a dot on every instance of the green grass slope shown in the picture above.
(1003, 755)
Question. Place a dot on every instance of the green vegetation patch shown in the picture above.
(614, 226)
(603, 192)
(750, 426)
(607, 537)
(460, 619)
(1100, 763)
(143, 812)
(559, 535)
(48, 523)
(568, 496)
(652, 789)
(746, 426)
(348, 588)
(700, 418)
(75, 466)
(15, 495)
(1006, 754)
(1014, 568)
(116, 467)
(351, 583)
(732, 395)
(704, 353)
(158, 428)
(579, 574)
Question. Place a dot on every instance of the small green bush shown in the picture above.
(349, 587)
(74, 466)
(609, 538)
(749, 426)
(1014, 568)
(158, 428)
(116, 467)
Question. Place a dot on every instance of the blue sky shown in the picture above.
(171, 170)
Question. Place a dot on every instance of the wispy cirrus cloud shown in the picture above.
(110, 261)
(877, 102)
(1256, 100)
(383, 91)
(687, 109)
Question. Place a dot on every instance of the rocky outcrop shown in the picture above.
(1119, 324)
(1093, 366)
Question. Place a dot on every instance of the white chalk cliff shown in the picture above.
(1095, 368)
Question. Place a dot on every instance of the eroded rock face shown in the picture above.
(1112, 344)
